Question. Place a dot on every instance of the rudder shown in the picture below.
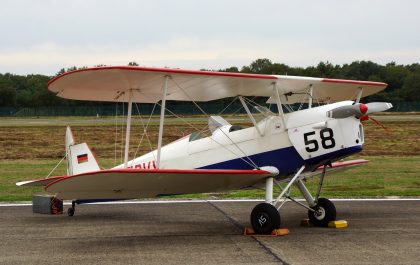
(80, 158)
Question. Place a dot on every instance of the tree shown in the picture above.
(261, 66)
(411, 89)
(232, 69)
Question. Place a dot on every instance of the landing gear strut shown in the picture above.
(265, 217)
(72, 209)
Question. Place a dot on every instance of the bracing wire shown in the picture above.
(116, 133)
(122, 135)
(145, 127)
(206, 132)
(250, 160)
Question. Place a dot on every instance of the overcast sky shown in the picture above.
(43, 36)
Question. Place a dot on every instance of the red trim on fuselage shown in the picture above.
(165, 70)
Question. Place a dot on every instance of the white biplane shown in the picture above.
(281, 148)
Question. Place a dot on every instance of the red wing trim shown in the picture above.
(354, 82)
(346, 163)
(179, 171)
(53, 179)
(164, 70)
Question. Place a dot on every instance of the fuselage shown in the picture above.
(306, 137)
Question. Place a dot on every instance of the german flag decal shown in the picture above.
(82, 158)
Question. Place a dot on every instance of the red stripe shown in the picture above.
(82, 159)
(164, 70)
(354, 82)
(346, 163)
(46, 179)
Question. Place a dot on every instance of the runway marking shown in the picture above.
(11, 204)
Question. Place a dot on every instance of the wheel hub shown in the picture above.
(320, 213)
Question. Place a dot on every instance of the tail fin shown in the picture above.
(80, 158)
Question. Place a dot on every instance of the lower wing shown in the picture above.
(130, 183)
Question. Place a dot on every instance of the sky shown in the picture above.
(43, 36)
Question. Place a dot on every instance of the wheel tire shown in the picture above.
(265, 218)
(70, 211)
(326, 213)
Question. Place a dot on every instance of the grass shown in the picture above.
(383, 176)
(31, 151)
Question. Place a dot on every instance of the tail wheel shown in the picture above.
(265, 218)
(324, 213)
(70, 211)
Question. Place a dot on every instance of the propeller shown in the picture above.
(358, 110)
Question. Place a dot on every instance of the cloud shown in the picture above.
(213, 34)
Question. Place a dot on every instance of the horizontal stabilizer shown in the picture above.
(37, 182)
(336, 166)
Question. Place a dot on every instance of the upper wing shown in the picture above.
(113, 83)
(294, 89)
(129, 183)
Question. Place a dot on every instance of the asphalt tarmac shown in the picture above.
(208, 232)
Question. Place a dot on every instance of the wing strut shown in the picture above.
(311, 92)
(359, 95)
(162, 118)
(127, 134)
(278, 101)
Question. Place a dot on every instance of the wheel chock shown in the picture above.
(338, 224)
(306, 223)
(332, 224)
(276, 232)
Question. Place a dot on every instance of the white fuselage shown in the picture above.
(304, 137)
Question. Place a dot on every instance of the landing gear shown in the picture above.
(265, 218)
(72, 209)
(324, 212)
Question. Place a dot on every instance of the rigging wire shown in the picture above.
(145, 130)
(56, 166)
(122, 134)
(236, 145)
(208, 134)
(116, 133)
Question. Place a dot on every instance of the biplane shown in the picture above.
(281, 148)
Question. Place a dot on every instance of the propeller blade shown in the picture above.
(357, 110)
(378, 107)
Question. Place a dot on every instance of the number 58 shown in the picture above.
(327, 140)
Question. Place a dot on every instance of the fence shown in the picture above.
(146, 109)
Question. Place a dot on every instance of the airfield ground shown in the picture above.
(31, 147)
(207, 232)
(379, 232)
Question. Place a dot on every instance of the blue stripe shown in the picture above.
(286, 160)
(98, 200)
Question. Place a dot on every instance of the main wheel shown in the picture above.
(70, 211)
(324, 213)
(265, 218)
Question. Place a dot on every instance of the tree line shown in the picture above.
(19, 91)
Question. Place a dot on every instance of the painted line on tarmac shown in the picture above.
(203, 201)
